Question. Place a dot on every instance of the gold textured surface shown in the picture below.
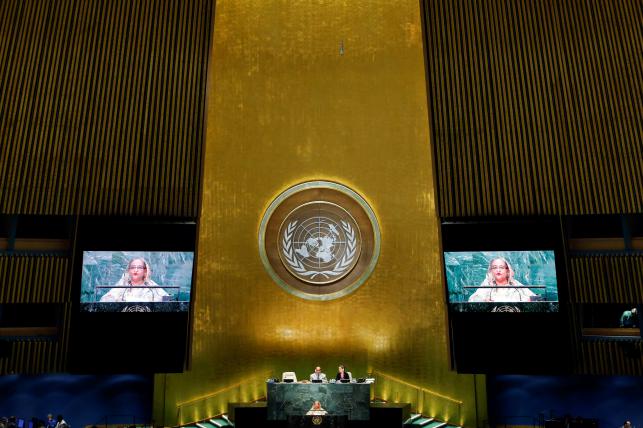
(324, 90)
(536, 106)
(102, 106)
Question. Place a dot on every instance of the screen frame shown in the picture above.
(165, 336)
(518, 234)
(132, 234)
(513, 343)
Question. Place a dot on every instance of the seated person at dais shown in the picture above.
(318, 375)
(342, 374)
(135, 285)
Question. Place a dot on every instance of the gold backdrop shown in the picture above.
(321, 90)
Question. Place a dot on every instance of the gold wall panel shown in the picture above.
(324, 90)
(102, 106)
(536, 106)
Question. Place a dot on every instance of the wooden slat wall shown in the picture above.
(34, 279)
(536, 106)
(606, 279)
(102, 106)
(101, 113)
(607, 357)
(37, 279)
(602, 357)
(37, 357)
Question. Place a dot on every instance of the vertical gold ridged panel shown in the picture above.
(606, 279)
(101, 106)
(301, 91)
(34, 279)
(536, 106)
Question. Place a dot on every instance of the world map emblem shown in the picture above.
(319, 240)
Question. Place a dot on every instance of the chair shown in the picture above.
(288, 377)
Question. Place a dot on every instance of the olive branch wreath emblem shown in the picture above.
(296, 265)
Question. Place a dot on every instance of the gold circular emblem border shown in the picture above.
(319, 191)
(332, 279)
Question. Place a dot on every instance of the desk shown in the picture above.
(317, 421)
(338, 399)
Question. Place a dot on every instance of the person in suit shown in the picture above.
(318, 375)
(342, 373)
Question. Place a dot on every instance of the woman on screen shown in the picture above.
(135, 285)
(500, 285)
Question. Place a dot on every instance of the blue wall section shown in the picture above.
(517, 400)
(82, 399)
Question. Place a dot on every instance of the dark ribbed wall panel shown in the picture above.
(34, 279)
(37, 279)
(575, 336)
(606, 279)
(102, 105)
(536, 106)
(605, 357)
(37, 357)
(602, 357)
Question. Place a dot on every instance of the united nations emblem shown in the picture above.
(319, 240)
(136, 308)
(505, 308)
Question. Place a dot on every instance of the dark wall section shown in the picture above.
(535, 111)
(102, 106)
(101, 114)
(520, 400)
(83, 400)
(120, 336)
(513, 342)
(535, 106)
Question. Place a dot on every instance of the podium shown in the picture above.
(314, 421)
(338, 399)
